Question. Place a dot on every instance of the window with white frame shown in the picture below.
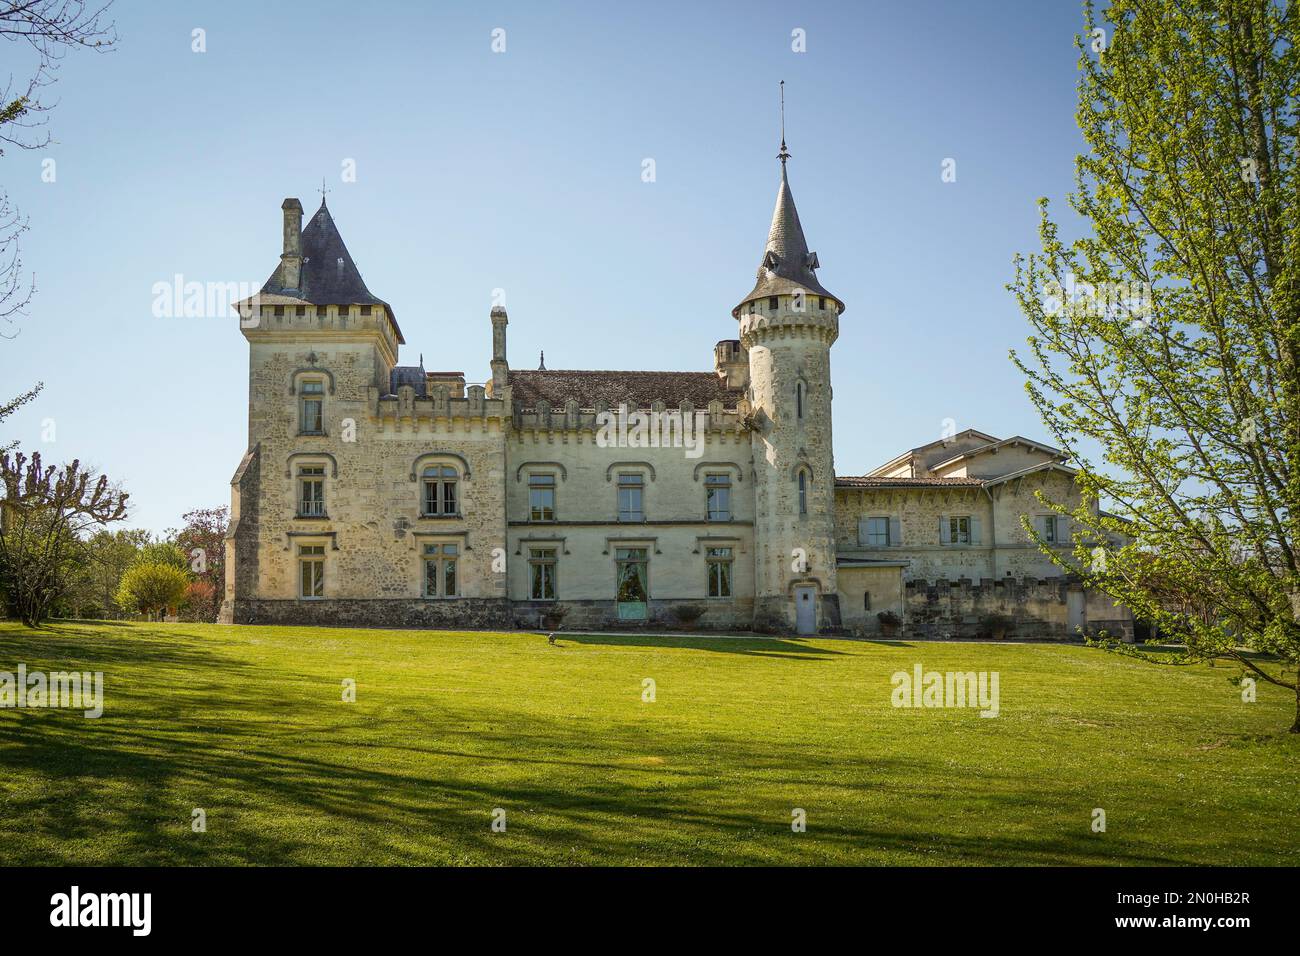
(717, 489)
(541, 497)
(311, 407)
(719, 561)
(631, 496)
(440, 570)
(311, 491)
(438, 491)
(541, 574)
(1047, 527)
(311, 571)
(959, 529)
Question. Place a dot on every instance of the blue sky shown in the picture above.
(521, 171)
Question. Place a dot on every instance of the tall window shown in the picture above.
(541, 497)
(798, 399)
(440, 570)
(877, 533)
(631, 488)
(718, 490)
(311, 570)
(719, 563)
(959, 529)
(311, 419)
(311, 491)
(803, 492)
(771, 303)
(541, 574)
(439, 491)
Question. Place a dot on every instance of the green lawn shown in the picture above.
(248, 723)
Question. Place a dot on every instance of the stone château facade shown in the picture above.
(387, 494)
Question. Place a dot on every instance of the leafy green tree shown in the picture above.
(1169, 338)
(45, 511)
(161, 552)
(104, 558)
(151, 587)
(203, 541)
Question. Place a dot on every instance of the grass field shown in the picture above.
(249, 725)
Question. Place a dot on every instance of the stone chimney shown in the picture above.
(731, 362)
(291, 259)
(500, 367)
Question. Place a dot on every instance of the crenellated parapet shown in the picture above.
(819, 325)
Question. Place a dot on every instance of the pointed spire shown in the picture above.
(787, 265)
(541, 366)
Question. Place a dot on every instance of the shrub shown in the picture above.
(152, 586)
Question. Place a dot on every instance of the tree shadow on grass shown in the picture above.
(779, 647)
(291, 781)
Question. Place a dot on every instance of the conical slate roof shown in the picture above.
(787, 264)
(329, 276)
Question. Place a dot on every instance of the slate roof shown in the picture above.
(866, 481)
(636, 389)
(787, 265)
(329, 276)
(407, 375)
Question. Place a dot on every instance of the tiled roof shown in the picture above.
(636, 389)
(865, 481)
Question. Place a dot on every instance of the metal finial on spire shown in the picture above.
(785, 153)
(541, 366)
(323, 190)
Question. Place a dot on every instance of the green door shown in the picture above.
(633, 595)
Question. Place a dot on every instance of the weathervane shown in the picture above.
(785, 153)
(323, 190)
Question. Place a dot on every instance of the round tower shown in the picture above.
(788, 323)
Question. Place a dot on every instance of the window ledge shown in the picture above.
(440, 517)
(303, 517)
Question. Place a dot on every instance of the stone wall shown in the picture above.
(1040, 608)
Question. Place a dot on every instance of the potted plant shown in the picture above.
(889, 623)
(553, 617)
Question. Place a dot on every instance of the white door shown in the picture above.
(1075, 614)
(805, 610)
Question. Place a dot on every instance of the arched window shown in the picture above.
(438, 487)
(803, 492)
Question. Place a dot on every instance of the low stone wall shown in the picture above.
(460, 614)
(603, 615)
(1038, 608)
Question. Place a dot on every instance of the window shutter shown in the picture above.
(943, 529)
(862, 532)
(895, 532)
(1040, 526)
(975, 531)
(1066, 529)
